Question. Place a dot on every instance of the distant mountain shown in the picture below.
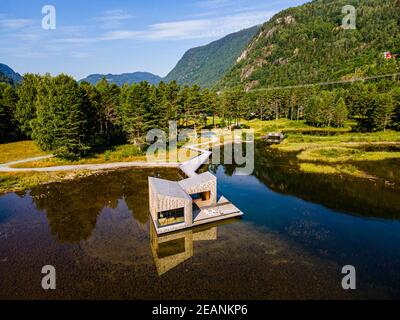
(7, 73)
(307, 44)
(121, 79)
(207, 64)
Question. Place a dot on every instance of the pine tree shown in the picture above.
(340, 114)
(382, 113)
(8, 101)
(26, 106)
(183, 105)
(396, 99)
(134, 112)
(91, 102)
(172, 97)
(109, 100)
(194, 107)
(312, 112)
(60, 123)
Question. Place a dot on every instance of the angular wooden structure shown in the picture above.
(190, 202)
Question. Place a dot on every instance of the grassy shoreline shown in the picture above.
(20, 181)
(339, 153)
(19, 150)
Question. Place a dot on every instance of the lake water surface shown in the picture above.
(297, 233)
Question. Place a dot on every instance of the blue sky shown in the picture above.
(120, 36)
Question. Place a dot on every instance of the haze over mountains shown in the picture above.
(305, 44)
(203, 65)
(9, 75)
(121, 79)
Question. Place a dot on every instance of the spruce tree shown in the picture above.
(382, 113)
(107, 110)
(340, 114)
(134, 112)
(26, 106)
(60, 123)
(8, 101)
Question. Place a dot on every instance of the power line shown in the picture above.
(326, 83)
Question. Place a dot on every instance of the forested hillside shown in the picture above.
(121, 79)
(307, 44)
(9, 75)
(205, 65)
(4, 78)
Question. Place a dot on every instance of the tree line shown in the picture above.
(70, 118)
(375, 106)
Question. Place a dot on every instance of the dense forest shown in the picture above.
(70, 118)
(307, 44)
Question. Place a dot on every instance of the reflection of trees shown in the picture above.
(280, 172)
(72, 207)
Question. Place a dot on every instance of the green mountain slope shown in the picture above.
(4, 78)
(205, 65)
(121, 79)
(9, 75)
(307, 44)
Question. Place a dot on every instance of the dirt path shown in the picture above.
(189, 167)
(6, 167)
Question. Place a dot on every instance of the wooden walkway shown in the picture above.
(205, 213)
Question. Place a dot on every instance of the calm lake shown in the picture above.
(297, 233)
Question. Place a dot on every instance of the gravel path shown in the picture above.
(189, 167)
(6, 167)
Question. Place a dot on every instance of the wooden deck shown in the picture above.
(224, 209)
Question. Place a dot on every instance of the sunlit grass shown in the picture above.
(16, 181)
(328, 169)
(19, 150)
(338, 154)
(123, 153)
(388, 136)
(286, 125)
(332, 150)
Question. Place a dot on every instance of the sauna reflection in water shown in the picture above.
(173, 249)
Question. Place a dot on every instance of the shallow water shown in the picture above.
(297, 233)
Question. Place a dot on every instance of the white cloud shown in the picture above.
(29, 35)
(15, 23)
(214, 3)
(176, 30)
(113, 19)
(193, 29)
(80, 55)
(76, 40)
